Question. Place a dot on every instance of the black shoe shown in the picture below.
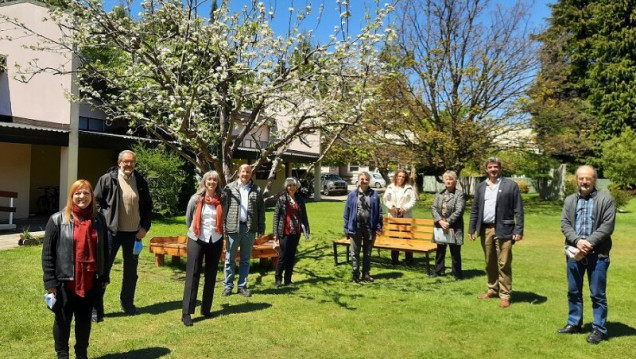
(289, 283)
(278, 283)
(130, 310)
(62, 355)
(244, 292)
(96, 318)
(227, 292)
(355, 280)
(368, 278)
(570, 329)
(596, 337)
(187, 320)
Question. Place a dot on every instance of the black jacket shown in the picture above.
(508, 211)
(280, 215)
(108, 199)
(58, 253)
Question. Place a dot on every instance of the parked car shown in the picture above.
(376, 181)
(332, 183)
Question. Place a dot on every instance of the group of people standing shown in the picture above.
(82, 240)
(497, 217)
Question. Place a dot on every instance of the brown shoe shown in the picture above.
(504, 303)
(487, 295)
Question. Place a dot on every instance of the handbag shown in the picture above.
(444, 237)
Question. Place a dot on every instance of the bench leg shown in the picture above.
(428, 266)
(335, 254)
(263, 262)
(274, 262)
(348, 257)
(159, 259)
(176, 260)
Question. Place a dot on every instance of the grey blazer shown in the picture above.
(454, 212)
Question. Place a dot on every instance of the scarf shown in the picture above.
(85, 240)
(213, 201)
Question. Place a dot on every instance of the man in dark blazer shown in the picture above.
(497, 217)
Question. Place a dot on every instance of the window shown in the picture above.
(354, 167)
(92, 124)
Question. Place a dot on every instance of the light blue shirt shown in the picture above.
(245, 192)
(490, 201)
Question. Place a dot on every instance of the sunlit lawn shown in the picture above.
(403, 314)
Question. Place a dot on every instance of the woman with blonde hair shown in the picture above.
(74, 264)
(399, 199)
(204, 218)
(448, 214)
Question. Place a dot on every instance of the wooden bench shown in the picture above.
(401, 234)
(176, 247)
(10, 208)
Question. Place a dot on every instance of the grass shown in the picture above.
(403, 314)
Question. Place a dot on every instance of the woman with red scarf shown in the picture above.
(74, 266)
(290, 220)
(204, 218)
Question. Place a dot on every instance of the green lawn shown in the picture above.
(403, 314)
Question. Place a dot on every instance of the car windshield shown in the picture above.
(333, 177)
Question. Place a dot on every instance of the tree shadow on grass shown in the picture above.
(227, 309)
(529, 297)
(146, 353)
(472, 273)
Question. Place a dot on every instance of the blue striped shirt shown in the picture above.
(583, 224)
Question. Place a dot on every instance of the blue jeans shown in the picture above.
(597, 277)
(244, 240)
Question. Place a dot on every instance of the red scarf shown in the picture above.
(85, 241)
(214, 201)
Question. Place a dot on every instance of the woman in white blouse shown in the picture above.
(399, 199)
(205, 233)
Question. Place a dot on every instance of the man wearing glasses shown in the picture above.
(123, 198)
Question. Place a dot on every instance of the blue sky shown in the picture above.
(330, 16)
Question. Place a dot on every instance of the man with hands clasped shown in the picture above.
(588, 223)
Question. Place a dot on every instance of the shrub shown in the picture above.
(621, 197)
(165, 175)
(524, 187)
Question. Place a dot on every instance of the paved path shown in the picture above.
(9, 241)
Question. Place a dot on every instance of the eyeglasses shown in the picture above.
(128, 162)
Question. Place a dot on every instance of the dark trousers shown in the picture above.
(362, 239)
(69, 304)
(287, 257)
(197, 251)
(395, 257)
(125, 240)
(456, 256)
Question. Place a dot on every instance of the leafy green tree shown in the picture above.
(584, 93)
(619, 159)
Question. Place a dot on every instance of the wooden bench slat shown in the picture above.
(402, 234)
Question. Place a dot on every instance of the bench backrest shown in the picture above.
(408, 228)
(174, 239)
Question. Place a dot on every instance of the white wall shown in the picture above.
(43, 98)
